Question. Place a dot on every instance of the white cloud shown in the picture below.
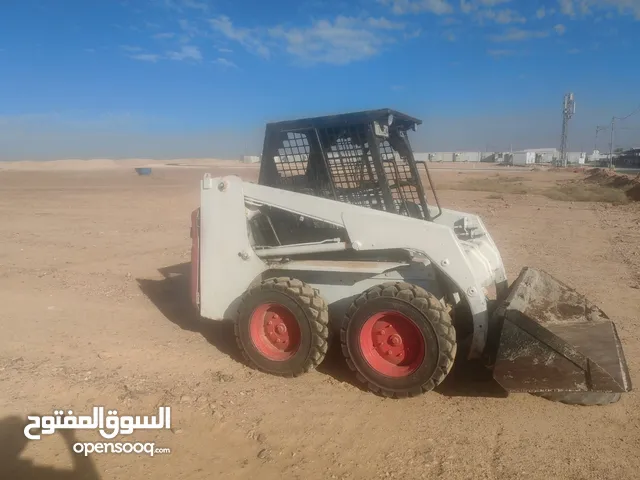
(450, 36)
(164, 36)
(414, 34)
(566, 7)
(248, 38)
(186, 52)
(401, 7)
(481, 10)
(223, 62)
(130, 48)
(574, 51)
(503, 17)
(560, 29)
(497, 53)
(492, 3)
(384, 24)
(182, 5)
(195, 5)
(585, 7)
(145, 57)
(541, 13)
(225, 50)
(451, 21)
(517, 35)
(337, 42)
(190, 29)
(467, 6)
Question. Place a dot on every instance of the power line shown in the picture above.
(598, 129)
(637, 110)
(613, 126)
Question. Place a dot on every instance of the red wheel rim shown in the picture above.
(274, 331)
(392, 344)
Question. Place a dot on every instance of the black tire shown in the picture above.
(428, 316)
(586, 399)
(308, 308)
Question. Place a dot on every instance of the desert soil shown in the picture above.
(95, 311)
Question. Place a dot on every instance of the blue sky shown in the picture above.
(199, 78)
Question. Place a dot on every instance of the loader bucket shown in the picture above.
(553, 339)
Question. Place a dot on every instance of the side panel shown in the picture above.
(370, 229)
(195, 258)
(340, 288)
(228, 264)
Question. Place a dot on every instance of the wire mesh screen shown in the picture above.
(337, 163)
(350, 166)
(402, 183)
(292, 160)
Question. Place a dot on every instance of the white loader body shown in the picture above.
(451, 257)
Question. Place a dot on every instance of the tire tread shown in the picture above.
(432, 309)
(316, 310)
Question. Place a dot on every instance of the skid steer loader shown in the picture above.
(337, 239)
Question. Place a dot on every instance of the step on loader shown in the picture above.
(337, 240)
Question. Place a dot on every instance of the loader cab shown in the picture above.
(361, 158)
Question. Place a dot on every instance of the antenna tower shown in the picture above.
(568, 110)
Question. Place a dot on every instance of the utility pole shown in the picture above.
(568, 110)
(598, 129)
(613, 124)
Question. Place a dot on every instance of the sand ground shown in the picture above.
(95, 310)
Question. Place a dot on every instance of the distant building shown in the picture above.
(467, 157)
(595, 157)
(576, 157)
(448, 156)
(545, 155)
(494, 157)
(441, 156)
(524, 158)
(422, 157)
(250, 159)
(628, 159)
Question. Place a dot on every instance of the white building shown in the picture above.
(524, 158)
(448, 156)
(595, 156)
(467, 157)
(441, 156)
(545, 155)
(494, 157)
(422, 157)
(576, 157)
(251, 159)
